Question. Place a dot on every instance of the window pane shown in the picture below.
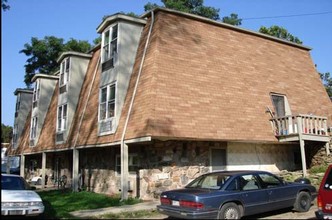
(102, 113)
(107, 37)
(67, 64)
(111, 107)
(114, 32)
(279, 105)
(103, 95)
(112, 93)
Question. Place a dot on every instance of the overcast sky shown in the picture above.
(309, 20)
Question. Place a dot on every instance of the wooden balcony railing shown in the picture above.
(293, 125)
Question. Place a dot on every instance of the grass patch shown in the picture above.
(59, 203)
(318, 169)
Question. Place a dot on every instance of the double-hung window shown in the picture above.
(133, 163)
(62, 118)
(18, 105)
(36, 92)
(110, 47)
(15, 135)
(107, 102)
(33, 130)
(64, 75)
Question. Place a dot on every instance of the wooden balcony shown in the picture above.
(300, 127)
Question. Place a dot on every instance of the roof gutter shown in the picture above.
(124, 148)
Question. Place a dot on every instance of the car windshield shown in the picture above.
(13, 183)
(328, 182)
(210, 181)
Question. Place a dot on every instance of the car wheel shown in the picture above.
(302, 202)
(229, 211)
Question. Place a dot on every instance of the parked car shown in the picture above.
(324, 198)
(18, 198)
(234, 194)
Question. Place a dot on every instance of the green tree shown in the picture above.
(327, 82)
(4, 5)
(279, 32)
(232, 19)
(43, 54)
(6, 133)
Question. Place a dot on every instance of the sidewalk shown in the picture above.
(149, 205)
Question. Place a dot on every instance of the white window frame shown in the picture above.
(18, 102)
(286, 104)
(62, 117)
(64, 72)
(36, 91)
(105, 116)
(110, 44)
(33, 129)
(15, 134)
(131, 159)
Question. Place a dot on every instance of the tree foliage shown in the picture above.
(327, 82)
(232, 19)
(43, 54)
(279, 32)
(6, 133)
(4, 5)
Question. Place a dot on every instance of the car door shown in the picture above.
(280, 195)
(254, 198)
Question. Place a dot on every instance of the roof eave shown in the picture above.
(221, 24)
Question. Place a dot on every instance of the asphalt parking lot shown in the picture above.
(280, 214)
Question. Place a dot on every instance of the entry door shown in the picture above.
(218, 158)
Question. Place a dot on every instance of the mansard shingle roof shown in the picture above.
(201, 81)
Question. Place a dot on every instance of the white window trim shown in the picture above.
(286, 103)
(107, 118)
(33, 128)
(36, 91)
(63, 119)
(64, 72)
(109, 43)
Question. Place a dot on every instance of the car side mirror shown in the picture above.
(33, 187)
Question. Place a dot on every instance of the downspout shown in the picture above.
(75, 174)
(124, 172)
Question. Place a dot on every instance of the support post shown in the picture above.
(22, 165)
(75, 170)
(304, 164)
(327, 147)
(124, 171)
(43, 169)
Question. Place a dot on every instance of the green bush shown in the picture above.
(318, 169)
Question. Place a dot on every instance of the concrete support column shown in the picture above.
(43, 169)
(22, 165)
(124, 171)
(327, 147)
(75, 170)
(304, 164)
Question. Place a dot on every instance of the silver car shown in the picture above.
(18, 198)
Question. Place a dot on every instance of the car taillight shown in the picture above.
(165, 201)
(319, 202)
(191, 204)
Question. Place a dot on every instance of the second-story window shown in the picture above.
(64, 75)
(107, 102)
(33, 130)
(62, 118)
(18, 105)
(110, 47)
(15, 134)
(36, 92)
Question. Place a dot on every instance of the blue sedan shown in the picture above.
(234, 194)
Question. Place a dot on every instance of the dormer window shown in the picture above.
(62, 118)
(33, 130)
(64, 75)
(106, 108)
(36, 92)
(18, 104)
(110, 47)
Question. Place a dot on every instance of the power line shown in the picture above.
(287, 16)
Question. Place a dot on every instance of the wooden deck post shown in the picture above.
(302, 144)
